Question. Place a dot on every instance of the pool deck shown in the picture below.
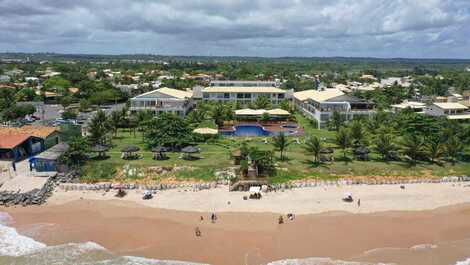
(269, 126)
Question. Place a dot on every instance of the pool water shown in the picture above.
(248, 130)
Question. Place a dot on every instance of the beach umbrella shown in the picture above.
(100, 149)
(130, 149)
(190, 150)
(206, 131)
(159, 149)
(327, 150)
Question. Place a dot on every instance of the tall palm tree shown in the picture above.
(313, 146)
(357, 132)
(280, 143)
(384, 144)
(413, 146)
(434, 148)
(343, 140)
(453, 147)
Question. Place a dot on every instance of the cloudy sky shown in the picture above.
(375, 28)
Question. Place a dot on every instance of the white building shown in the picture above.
(450, 110)
(244, 95)
(413, 105)
(320, 105)
(165, 99)
(233, 83)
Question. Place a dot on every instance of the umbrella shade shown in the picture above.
(205, 131)
(159, 149)
(99, 148)
(130, 149)
(190, 149)
(327, 150)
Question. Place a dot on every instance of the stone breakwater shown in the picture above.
(35, 196)
(279, 186)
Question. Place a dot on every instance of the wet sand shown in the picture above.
(127, 228)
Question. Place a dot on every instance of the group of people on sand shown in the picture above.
(201, 219)
(290, 217)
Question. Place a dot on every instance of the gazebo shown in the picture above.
(158, 153)
(100, 149)
(129, 152)
(188, 150)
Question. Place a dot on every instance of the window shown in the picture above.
(240, 95)
(247, 95)
(280, 96)
(227, 95)
(205, 95)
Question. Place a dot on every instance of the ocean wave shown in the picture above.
(463, 262)
(19, 249)
(320, 261)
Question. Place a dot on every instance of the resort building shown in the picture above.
(417, 107)
(165, 99)
(244, 95)
(450, 110)
(237, 83)
(320, 105)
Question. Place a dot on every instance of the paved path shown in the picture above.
(22, 180)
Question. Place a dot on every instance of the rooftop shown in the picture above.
(318, 95)
(237, 89)
(176, 93)
(29, 130)
(449, 105)
(13, 140)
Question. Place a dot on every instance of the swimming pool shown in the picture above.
(248, 130)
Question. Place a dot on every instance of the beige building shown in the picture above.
(165, 99)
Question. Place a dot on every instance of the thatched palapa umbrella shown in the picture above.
(100, 149)
(158, 152)
(129, 150)
(189, 150)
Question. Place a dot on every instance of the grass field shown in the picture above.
(298, 165)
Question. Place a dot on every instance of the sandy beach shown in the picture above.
(391, 226)
(374, 198)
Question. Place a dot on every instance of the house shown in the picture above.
(413, 105)
(320, 105)
(243, 94)
(401, 81)
(49, 135)
(450, 110)
(49, 160)
(165, 99)
(14, 147)
(4, 79)
(238, 83)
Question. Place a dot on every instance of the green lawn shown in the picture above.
(299, 164)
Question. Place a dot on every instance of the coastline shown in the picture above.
(438, 234)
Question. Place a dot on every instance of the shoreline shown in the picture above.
(407, 225)
(129, 229)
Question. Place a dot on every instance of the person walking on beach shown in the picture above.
(197, 231)
(359, 203)
(281, 220)
(201, 219)
(13, 164)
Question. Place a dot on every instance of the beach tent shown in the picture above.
(278, 112)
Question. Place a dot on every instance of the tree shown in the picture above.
(69, 115)
(262, 102)
(357, 132)
(84, 104)
(115, 120)
(77, 153)
(280, 143)
(434, 149)
(384, 144)
(343, 140)
(220, 113)
(98, 128)
(314, 146)
(413, 146)
(337, 120)
(285, 105)
(168, 130)
(18, 111)
(453, 147)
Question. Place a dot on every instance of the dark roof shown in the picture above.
(130, 148)
(159, 149)
(54, 152)
(190, 149)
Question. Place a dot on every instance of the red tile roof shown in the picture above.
(12, 140)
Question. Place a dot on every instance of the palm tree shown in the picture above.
(452, 148)
(337, 120)
(281, 142)
(343, 140)
(98, 128)
(384, 144)
(115, 120)
(262, 102)
(357, 132)
(413, 146)
(220, 113)
(313, 146)
(434, 149)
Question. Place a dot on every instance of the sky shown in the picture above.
(268, 28)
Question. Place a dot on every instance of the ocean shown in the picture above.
(17, 249)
